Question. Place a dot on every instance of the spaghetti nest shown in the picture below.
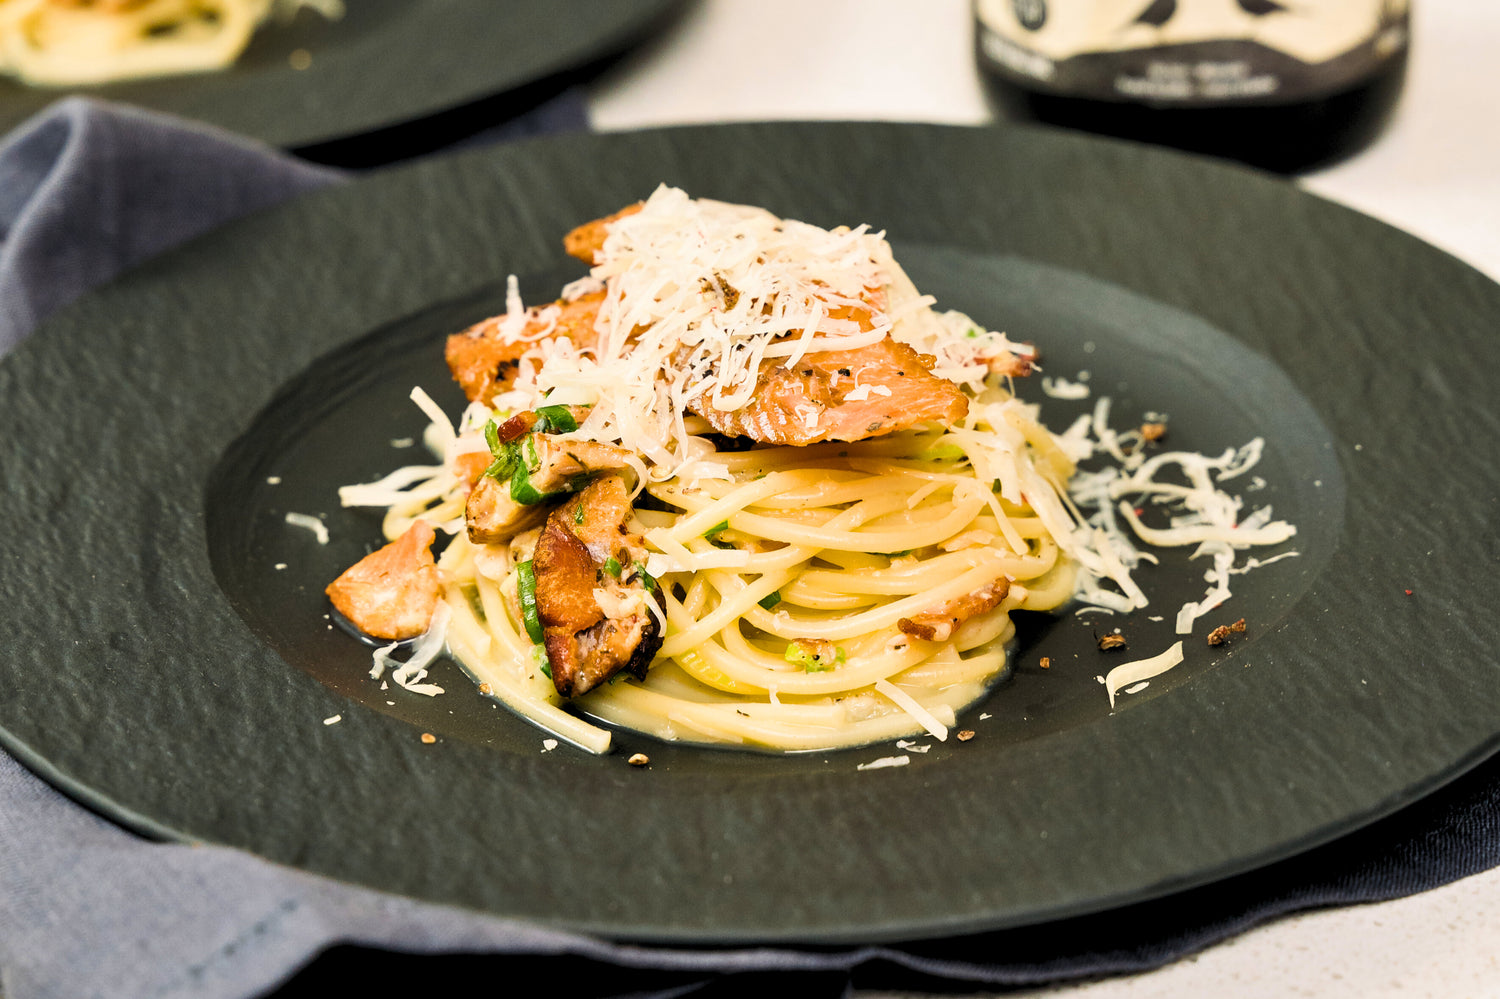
(813, 597)
(742, 484)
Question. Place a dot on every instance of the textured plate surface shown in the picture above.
(384, 63)
(161, 668)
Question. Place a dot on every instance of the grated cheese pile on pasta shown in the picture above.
(742, 484)
(64, 43)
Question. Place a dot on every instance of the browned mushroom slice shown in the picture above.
(591, 593)
(391, 592)
(497, 510)
(492, 516)
(938, 625)
(553, 464)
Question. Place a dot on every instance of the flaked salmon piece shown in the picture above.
(808, 403)
(587, 240)
(938, 625)
(1012, 365)
(470, 466)
(391, 592)
(843, 395)
(483, 360)
(590, 595)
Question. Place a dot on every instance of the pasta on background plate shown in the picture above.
(69, 43)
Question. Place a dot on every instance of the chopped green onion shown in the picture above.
(526, 592)
(717, 529)
(942, 452)
(524, 493)
(555, 419)
(647, 580)
(770, 599)
(612, 566)
(810, 661)
(539, 656)
(578, 514)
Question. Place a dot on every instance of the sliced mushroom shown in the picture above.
(492, 516)
(547, 466)
(592, 593)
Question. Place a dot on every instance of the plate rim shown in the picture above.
(815, 136)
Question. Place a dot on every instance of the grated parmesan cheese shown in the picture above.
(1200, 513)
(699, 294)
(311, 523)
(1061, 388)
(909, 704)
(424, 649)
(1131, 673)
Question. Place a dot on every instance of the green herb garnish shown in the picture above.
(555, 420)
(505, 456)
(526, 593)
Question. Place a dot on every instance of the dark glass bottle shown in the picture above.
(1286, 85)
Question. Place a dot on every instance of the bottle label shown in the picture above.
(1190, 52)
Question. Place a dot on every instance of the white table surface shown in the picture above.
(1434, 172)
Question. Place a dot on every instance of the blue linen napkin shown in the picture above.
(89, 189)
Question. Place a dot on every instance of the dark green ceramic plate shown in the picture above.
(385, 63)
(162, 669)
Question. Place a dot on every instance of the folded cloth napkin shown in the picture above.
(88, 189)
